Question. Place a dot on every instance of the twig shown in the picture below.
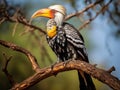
(4, 69)
(2, 20)
(22, 50)
(43, 51)
(24, 22)
(83, 10)
(27, 29)
(99, 74)
(91, 19)
(32, 26)
(14, 29)
(111, 69)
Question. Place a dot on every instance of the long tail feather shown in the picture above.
(86, 82)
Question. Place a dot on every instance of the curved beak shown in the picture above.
(46, 12)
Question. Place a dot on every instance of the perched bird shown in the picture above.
(65, 40)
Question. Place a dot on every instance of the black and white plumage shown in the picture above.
(65, 41)
(68, 44)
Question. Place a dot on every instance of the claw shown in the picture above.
(58, 60)
(66, 62)
(52, 66)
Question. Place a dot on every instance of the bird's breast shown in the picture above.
(51, 32)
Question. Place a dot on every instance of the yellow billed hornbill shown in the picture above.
(65, 40)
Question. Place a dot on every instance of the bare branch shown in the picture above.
(99, 74)
(23, 21)
(91, 19)
(4, 69)
(103, 76)
(111, 69)
(2, 20)
(83, 10)
(17, 17)
(44, 52)
(14, 29)
(22, 50)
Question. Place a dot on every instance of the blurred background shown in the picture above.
(102, 40)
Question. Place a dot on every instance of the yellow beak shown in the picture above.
(46, 12)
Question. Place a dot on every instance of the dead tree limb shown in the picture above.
(97, 13)
(101, 75)
(23, 21)
(44, 73)
(83, 10)
(4, 69)
(20, 19)
(24, 51)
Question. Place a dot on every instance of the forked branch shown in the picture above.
(24, 51)
(44, 73)
(101, 75)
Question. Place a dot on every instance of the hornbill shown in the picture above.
(65, 40)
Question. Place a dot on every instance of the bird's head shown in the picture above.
(56, 12)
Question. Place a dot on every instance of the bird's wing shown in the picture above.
(76, 39)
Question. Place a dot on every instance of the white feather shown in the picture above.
(60, 14)
(59, 18)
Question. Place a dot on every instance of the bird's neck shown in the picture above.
(59, 18)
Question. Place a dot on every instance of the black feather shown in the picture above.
(68, 44)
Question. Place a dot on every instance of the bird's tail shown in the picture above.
(86, 82)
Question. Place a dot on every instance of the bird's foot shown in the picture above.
(52, 66)
(66, 62)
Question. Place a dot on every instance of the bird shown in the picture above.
(65, 40)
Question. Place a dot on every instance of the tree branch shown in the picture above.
(19, 18)
(97, 13)
(23, 21)
(111, 69)
(99, 74)
(83, 10)
(16, 17)
(4, 69)
(40, 74)
(22, 50)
